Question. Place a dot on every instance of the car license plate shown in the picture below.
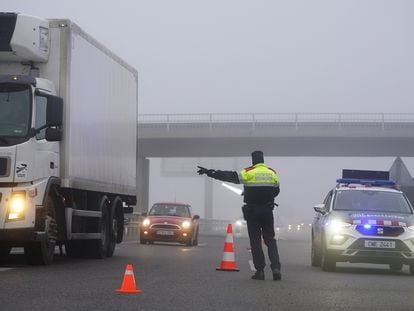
(165, 232)
(379, 244)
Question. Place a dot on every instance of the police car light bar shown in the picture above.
(363, 174)
(371, 182)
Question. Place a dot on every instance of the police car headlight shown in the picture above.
(336, 226)
(146, 222)
(186, 224)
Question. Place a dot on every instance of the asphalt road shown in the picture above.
(175, 277)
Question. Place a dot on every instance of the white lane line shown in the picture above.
(5, 269)
(252, 266)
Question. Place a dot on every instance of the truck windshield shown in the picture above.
(373, 201)
(15, 106)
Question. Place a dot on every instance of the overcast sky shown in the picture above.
(255, 56)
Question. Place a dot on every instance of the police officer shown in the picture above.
(261, 186)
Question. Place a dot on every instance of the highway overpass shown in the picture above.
(277, 134)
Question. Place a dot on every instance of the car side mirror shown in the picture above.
(196, 217)
(320, 208)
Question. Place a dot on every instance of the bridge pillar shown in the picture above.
(208, 198)
(142, 184)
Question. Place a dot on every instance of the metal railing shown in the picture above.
(295, 119)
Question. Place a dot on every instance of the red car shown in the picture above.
(170, 222)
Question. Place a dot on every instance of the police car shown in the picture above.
(363, 220)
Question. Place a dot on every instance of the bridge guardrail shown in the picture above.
(296, 119)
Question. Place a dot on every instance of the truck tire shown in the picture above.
(99, 248)
(42, 252)
(115, 226)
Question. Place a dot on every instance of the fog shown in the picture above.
(257, 56)
(304, 182)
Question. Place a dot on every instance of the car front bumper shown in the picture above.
(350, 245)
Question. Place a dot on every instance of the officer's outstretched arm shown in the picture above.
(229, 176)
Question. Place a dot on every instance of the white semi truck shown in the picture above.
(68, 125)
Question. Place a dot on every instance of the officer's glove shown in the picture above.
(203, 170)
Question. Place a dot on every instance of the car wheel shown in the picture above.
(315, 256)
(327, 262)
(396, 266)
(412, 269)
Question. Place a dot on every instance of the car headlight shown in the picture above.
(337, 225)
(146, 222)
(186, 224)
(17, 206)
(239, 223)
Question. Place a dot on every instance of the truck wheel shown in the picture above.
(99, 247)
(327, 262)
(42, 252)
(115, 226)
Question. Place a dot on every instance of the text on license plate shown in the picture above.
(380, 244)
(165, 232)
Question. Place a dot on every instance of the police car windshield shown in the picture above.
(367, 200)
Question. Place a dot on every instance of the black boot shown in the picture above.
(277, 276)
(259, 275)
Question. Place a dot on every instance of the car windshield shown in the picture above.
(378, 201)
(169, 210)
(14, 109)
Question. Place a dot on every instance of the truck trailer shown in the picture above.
(68, 127)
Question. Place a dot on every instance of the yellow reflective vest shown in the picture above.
(259, 175)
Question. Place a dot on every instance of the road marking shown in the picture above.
(5, 269)
(252, 266)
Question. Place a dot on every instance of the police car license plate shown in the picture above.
(165, 232)
(379, 244)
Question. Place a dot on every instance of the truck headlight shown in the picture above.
(17, 206)
(146, 222)
(186, 224)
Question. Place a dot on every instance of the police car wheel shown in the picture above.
(396, 266)
(315, 257)
(327, 262)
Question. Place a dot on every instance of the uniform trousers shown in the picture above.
(260, 223)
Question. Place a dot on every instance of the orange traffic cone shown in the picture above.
(228, 262)
(128, 283)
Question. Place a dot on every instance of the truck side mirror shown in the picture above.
(53, 134)
(54, 111)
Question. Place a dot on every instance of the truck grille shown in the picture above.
(4, 167)
(380, 230)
